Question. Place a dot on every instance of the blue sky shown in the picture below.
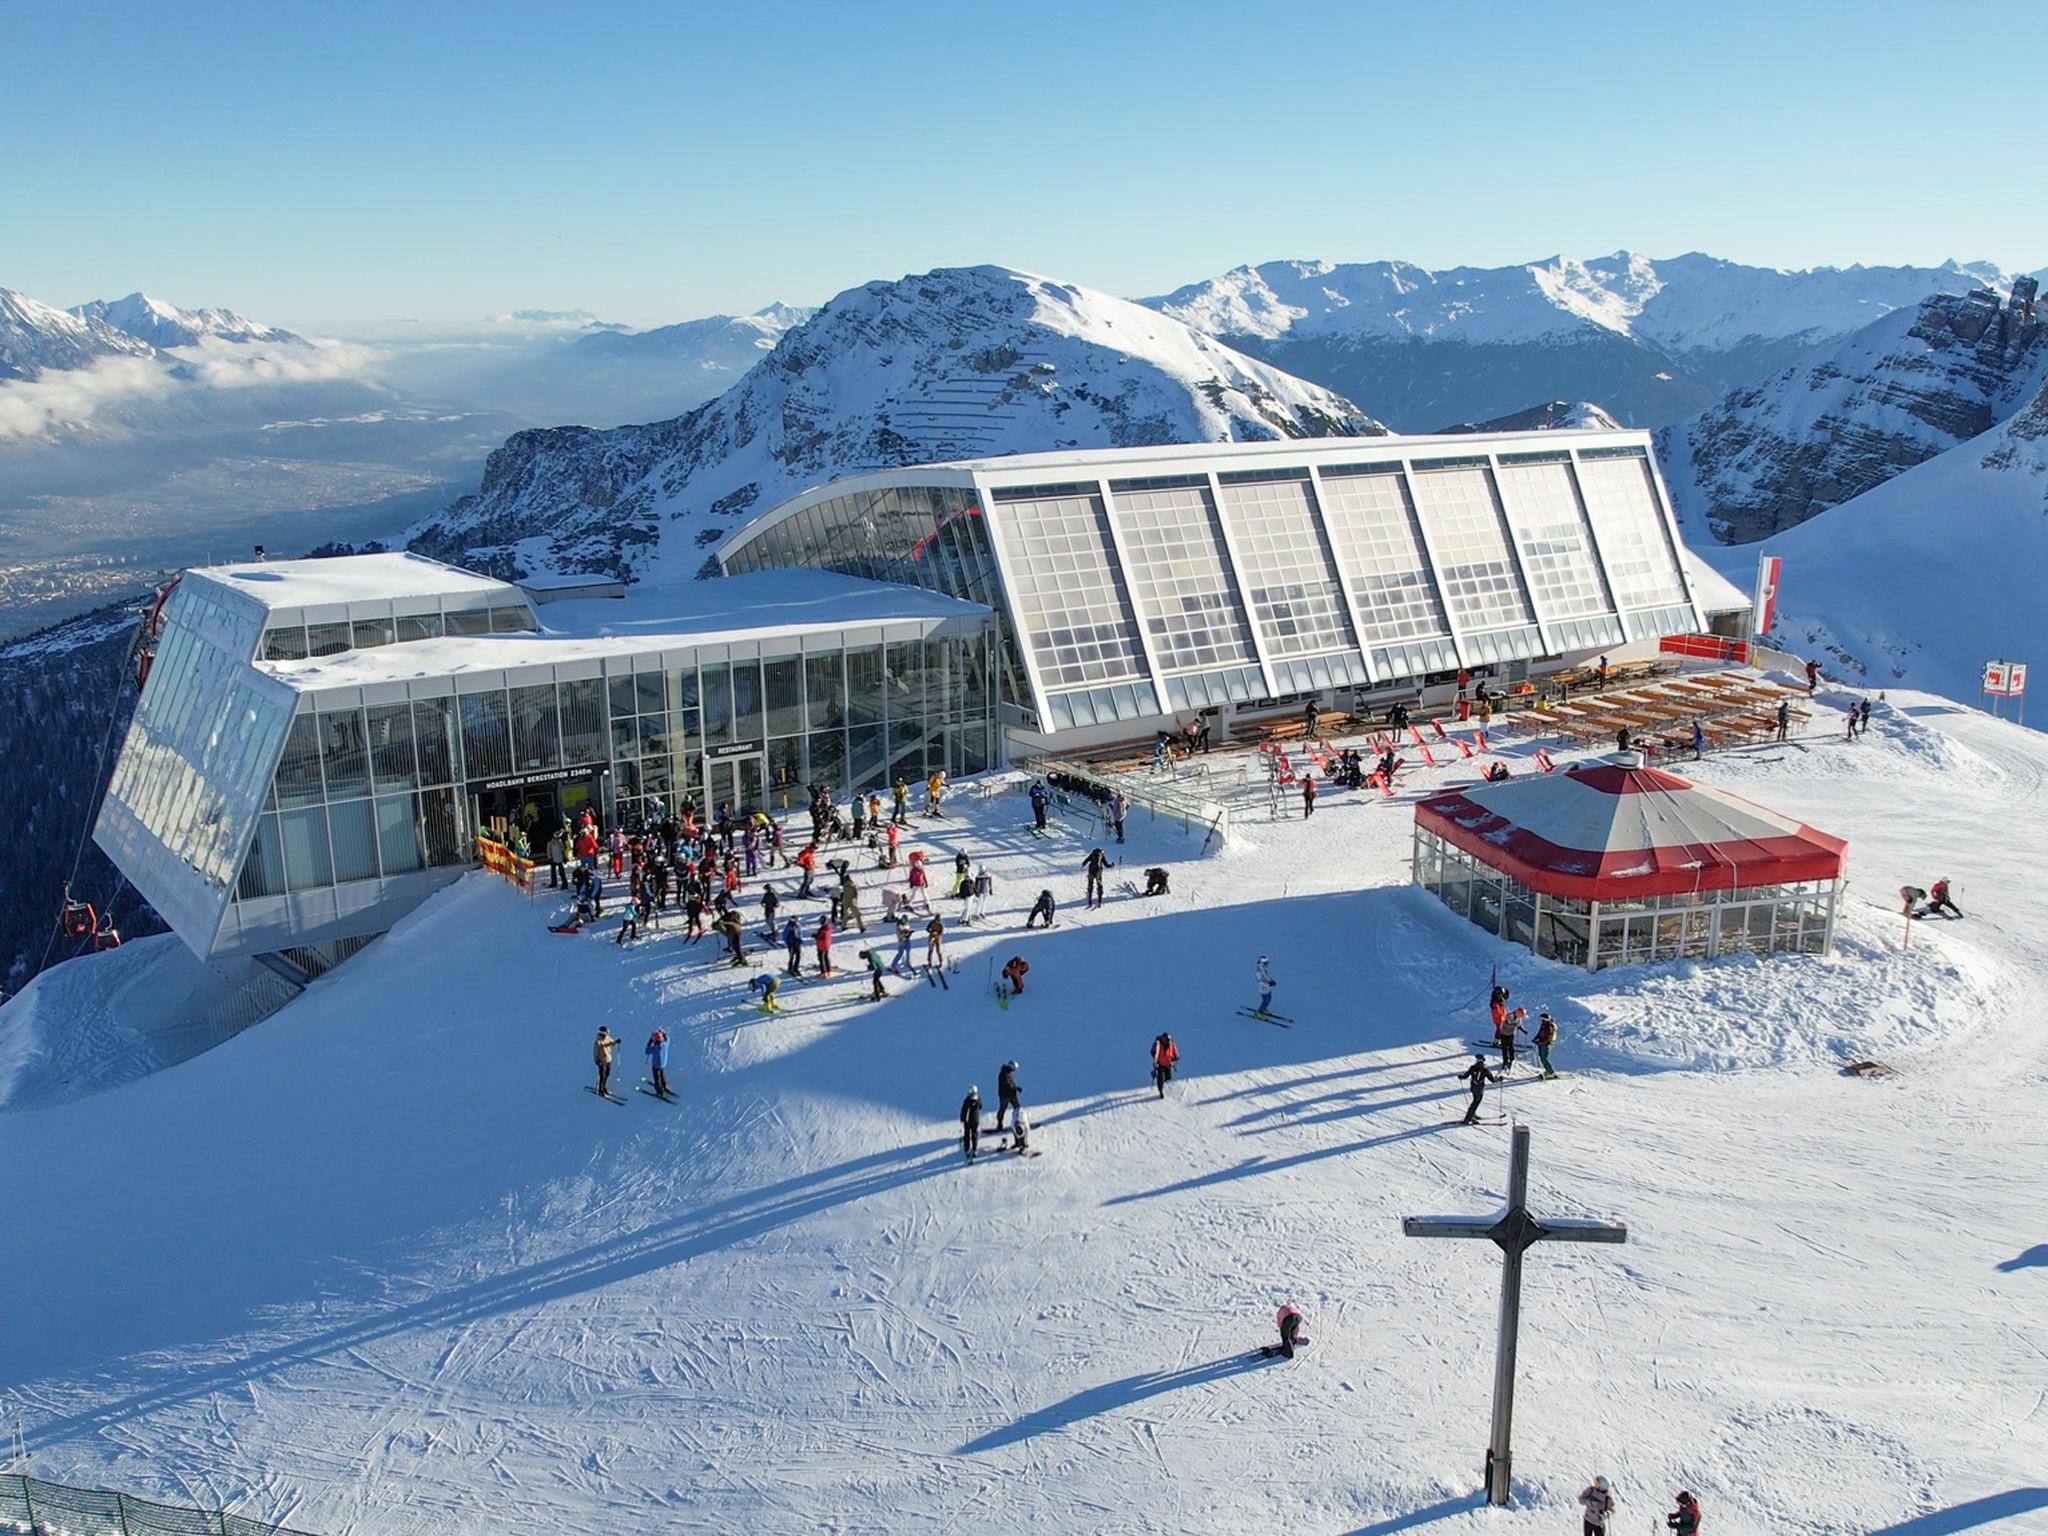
(319, 163)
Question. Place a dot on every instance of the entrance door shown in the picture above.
(740, 782)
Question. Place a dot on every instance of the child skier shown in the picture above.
(1266, 986)
(1164, 1054)
(1544, 1038)
(1289, 1320)
(1478, 1075)
(657, 1060)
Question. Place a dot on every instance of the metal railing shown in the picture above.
(30, 1505)
(1160, 797)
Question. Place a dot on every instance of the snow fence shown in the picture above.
(30, 1505)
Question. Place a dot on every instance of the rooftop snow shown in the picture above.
(1319, 448)
(646, 619)
(1716, 593)
(348, 579)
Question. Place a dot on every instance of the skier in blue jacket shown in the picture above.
(657, 1060)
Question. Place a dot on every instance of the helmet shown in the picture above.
(1684, 1497)
(1600, 1483)
(973, 1092)
(1011, 1065)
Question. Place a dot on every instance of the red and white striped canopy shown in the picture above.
(1606, 831)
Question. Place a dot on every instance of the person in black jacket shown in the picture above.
(970, 1122)
(1008, 1095)
(1096, 862)
(1684, 1520)
(1478, 1075)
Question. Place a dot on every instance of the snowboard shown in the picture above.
(610, 1097)
(1268, 1017)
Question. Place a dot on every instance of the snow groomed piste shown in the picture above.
(380, 1265)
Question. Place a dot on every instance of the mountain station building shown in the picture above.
(319, 742)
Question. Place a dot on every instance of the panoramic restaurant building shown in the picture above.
(1137, 586)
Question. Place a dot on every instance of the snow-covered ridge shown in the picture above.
(955, 363)
(36, 338)
(165, 325)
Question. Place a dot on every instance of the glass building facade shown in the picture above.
(1138, 584)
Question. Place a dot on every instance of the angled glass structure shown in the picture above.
(1137, 584)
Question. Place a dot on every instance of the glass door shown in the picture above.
(738, 782)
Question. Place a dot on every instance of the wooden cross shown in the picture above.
(1514, 1230)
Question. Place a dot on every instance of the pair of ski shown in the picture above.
(1267, 1016)
(648, 1088)
(935, 975)
(999, 1151)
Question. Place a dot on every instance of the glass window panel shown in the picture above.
(509, 621)
(486, 736)
(398, 834)
(1555, 542)
(441, 828)
(433, 728)
(825, 690)
(344, 753)
(1621, 505)
(368, 633)
(786, 764)
(1474, 564)
(263, 870)
(1180, 577)
(1068, 589)
(583, 733)
(477, 621)
(1288, 571)
(298, 770)
(536, 737)
(418, 626)
(327, 639)
(1374, 532)
(625, 701)
(285, 644)
(864, 685)
(717, 702)
(748, 722)
(828, 759)
(865, 757)
(391, 757)
(354, 831)
(785, 695)
(303, 834)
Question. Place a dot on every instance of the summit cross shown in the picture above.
(1514, 1230)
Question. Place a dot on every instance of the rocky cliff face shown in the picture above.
(951, 364)
(1823, 432)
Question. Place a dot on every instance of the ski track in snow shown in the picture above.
(445, 1292)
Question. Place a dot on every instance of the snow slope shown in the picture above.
(381, 1264)
(949, 364)
(1931, 574)
(36, 339)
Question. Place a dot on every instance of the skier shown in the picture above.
(629, 927)
(920, 881)
(1096, 862)
(1164, 1054)
(1685, 1520)
(1040, 798)
(807, 861)
(657, 1060)
(1266, 986)
(793, 941)
(601, 1053)
(769, 902)
(1008, 1095)
(1863, 718)
(874, 972)
(1598, 1503)
(900, 790)
(901, 964)
(1544, 1038)
(1289, 1320)
(1784, 717)
(1812, 676)
(765, 985)
(1504, 1033)
(970, 1116)
(1020, 1132)
(595, 890)
(822, 941)
(1013, 973)
(1478, 1075)
(934, 790)
(1044, 907)
(984, 887)
(729, 925)
(1938, 900)
(1308, 795)
(1119, 808)
(935, 942)
(849, 903)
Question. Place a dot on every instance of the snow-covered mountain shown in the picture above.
(1552, 416)
(609, 376)
(36, 339)
(165, 325)
(1651, 340)
(1941, 568)
(949, 364)
(1900, 391)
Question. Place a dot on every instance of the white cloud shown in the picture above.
(60, 402)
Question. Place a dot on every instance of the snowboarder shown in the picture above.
(1685, 1520)
(1008, 1095)
(1266, 986)
(970, 1116)
(1598, 1503)
(1096, 862)
(1289, 1320)
(1164, 1054)
(1544, 1038)
(657, 1060)
(1938, 900)
(1040, 798)
(601, 1053)
(874, 972)
(1478, 1075)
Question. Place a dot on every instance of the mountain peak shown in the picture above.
(165, 325)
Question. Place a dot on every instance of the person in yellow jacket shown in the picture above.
(934, 790)
(601, 1053)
